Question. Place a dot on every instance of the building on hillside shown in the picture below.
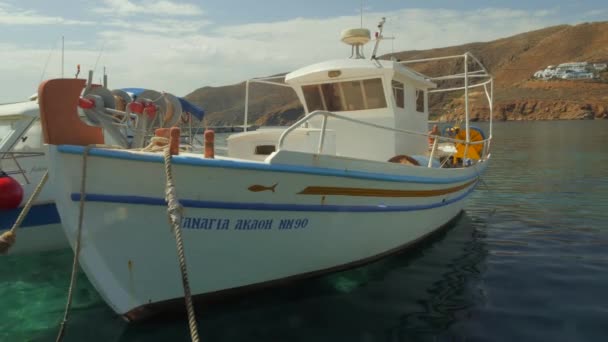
(571, 71)
(600, 66)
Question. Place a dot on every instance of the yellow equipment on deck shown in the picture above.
(474, 151)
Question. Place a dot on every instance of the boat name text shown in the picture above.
(242, 224)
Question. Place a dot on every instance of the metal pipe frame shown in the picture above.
(262, 80)
(327, 114)
(481, 73)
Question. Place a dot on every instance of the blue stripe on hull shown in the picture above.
(267, 206)
(39, 215)
(232, 164)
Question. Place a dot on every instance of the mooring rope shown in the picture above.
(8, 238)
(74, 274)
(483, 182)
(156, 144)
(174, 210)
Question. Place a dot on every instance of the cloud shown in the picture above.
(597, 13)
(161, 26)
(179, 56)
(304, 40)
(234, 53)
(160, 7)
(10, 15)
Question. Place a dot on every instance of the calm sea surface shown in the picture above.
(527, 262)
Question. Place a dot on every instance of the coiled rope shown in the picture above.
(8, 238)
(174, 211)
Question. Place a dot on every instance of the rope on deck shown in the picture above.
(8, 238)
(174, 211)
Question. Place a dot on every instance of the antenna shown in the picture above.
(99, 56)
(378, 36)
(105, 78)
(48, 58)
(361, 13)
(392, 39)
(62, 53)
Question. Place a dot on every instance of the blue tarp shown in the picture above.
(187, 106)
(191, 108)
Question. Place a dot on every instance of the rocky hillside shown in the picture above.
(511, 60)
(270, 105)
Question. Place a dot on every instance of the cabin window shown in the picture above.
(264, 150)
(345, 96)
(374, 93)
(333, 96)
(420, 100)
(398, 94)
(312, 96)
(353, 95)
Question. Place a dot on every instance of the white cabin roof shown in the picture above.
(353, 69)
(19, 110)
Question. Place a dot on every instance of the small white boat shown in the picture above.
(352, 181)
(23, 163)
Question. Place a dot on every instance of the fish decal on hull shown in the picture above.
(258, 188)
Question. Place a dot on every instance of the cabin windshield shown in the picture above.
(345, 96)
(31, 140)
(6, 126)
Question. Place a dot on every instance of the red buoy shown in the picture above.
(11, 192)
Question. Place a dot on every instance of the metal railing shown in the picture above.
(261, 80)
(483, 77)
(327, 114)
(13, 156)
(479, 77)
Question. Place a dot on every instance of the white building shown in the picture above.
(570, 71)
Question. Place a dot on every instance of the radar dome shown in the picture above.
(357, 36)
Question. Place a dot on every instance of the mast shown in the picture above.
(378, 36)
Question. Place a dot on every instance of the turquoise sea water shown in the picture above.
(528, 261)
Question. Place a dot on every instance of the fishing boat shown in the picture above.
(23, 162)
(22, 165)
(353, 180)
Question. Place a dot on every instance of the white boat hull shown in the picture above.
(244, 223)
(41, 230)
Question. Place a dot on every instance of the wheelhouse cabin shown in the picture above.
(378, 92)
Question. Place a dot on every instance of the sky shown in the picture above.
(179, 46)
